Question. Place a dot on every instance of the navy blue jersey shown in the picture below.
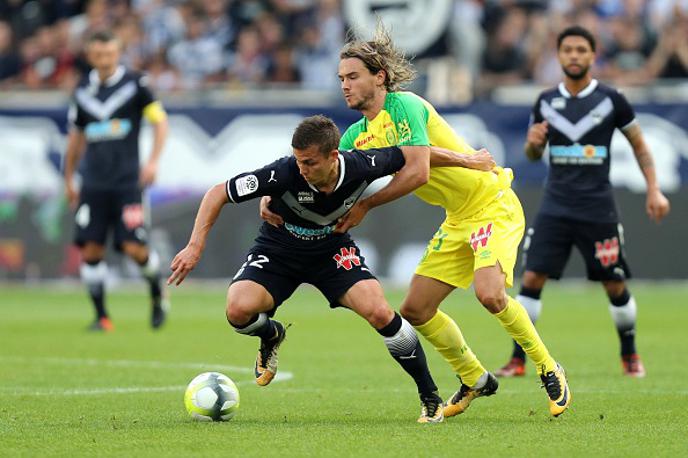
(579, 134)
(109, 115)
(310, 216)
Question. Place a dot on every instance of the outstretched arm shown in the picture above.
(414, 174)
(210, 208)
(480, 160)
(656, 204)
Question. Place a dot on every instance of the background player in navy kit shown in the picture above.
(105, 118)
(311, 190)
(578, 119)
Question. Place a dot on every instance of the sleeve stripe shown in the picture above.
(229, 194)
(633, 121)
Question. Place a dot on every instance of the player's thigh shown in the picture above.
(129, 215)
(336, 270)
(547, 246)
(494, 237)
(448, 257)
(367, 299)
(271, 270)
(92, 218)
(602, 247)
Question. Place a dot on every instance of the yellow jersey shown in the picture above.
(408, 120)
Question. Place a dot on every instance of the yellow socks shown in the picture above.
(514, 319)
(444, 334)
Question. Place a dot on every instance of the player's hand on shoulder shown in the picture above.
(537, 134)
(267, 215)
(657, 205)
(183, 263)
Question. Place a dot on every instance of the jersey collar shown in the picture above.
(116, 77)
(342, 170)
(584, 93)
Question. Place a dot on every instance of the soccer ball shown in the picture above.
(211, 396)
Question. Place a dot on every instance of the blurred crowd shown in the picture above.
(194, 44)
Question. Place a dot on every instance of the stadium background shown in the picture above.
(229, 72)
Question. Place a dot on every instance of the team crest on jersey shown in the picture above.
(347, 258)
(481, 237)
(132, 216)
(607, 251)
(305, 197)
(558, 103)
(391, 136)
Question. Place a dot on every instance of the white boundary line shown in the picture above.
(19, 391)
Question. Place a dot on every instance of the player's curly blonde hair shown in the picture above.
(381, 54)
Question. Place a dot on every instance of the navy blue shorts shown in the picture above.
(103, 210)
(281, 271)
(547, 247)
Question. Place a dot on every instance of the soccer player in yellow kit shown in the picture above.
(477, 242)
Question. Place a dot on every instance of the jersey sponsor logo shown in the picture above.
(369, 138)
(112, 129)
(306, 197)
(347, 258)
(607, 251)
(132, 216)
(308, 233)
(272, 177)
(246, 185)
(481, 237)
(372, 159)
(578, 154)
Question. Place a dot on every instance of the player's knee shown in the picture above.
(493, 299)
(380, 316)
(414, 313)
(533, 280)
(239, 311)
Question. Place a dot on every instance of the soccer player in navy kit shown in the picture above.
(105, 118)
(311, 190)
(577, 120)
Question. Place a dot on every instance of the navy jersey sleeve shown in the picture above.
(536, 114)
(145, 95)
(374, 163)
(623, 111)
(75, 115)
(271, 180)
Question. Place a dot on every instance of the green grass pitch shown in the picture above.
(68, 392)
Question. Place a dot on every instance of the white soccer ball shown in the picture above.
(211, 396)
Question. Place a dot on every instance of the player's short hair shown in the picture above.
(381, 54)
(101, 36)
(316, 130)
(576, 31)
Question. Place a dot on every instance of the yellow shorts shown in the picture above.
(460, 247)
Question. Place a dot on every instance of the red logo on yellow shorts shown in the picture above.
(481, 237)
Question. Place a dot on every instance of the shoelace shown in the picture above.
(550, 383)
(460, 394)
(430, 406)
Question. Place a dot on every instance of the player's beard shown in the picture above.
(577, 75)
(363, 102)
